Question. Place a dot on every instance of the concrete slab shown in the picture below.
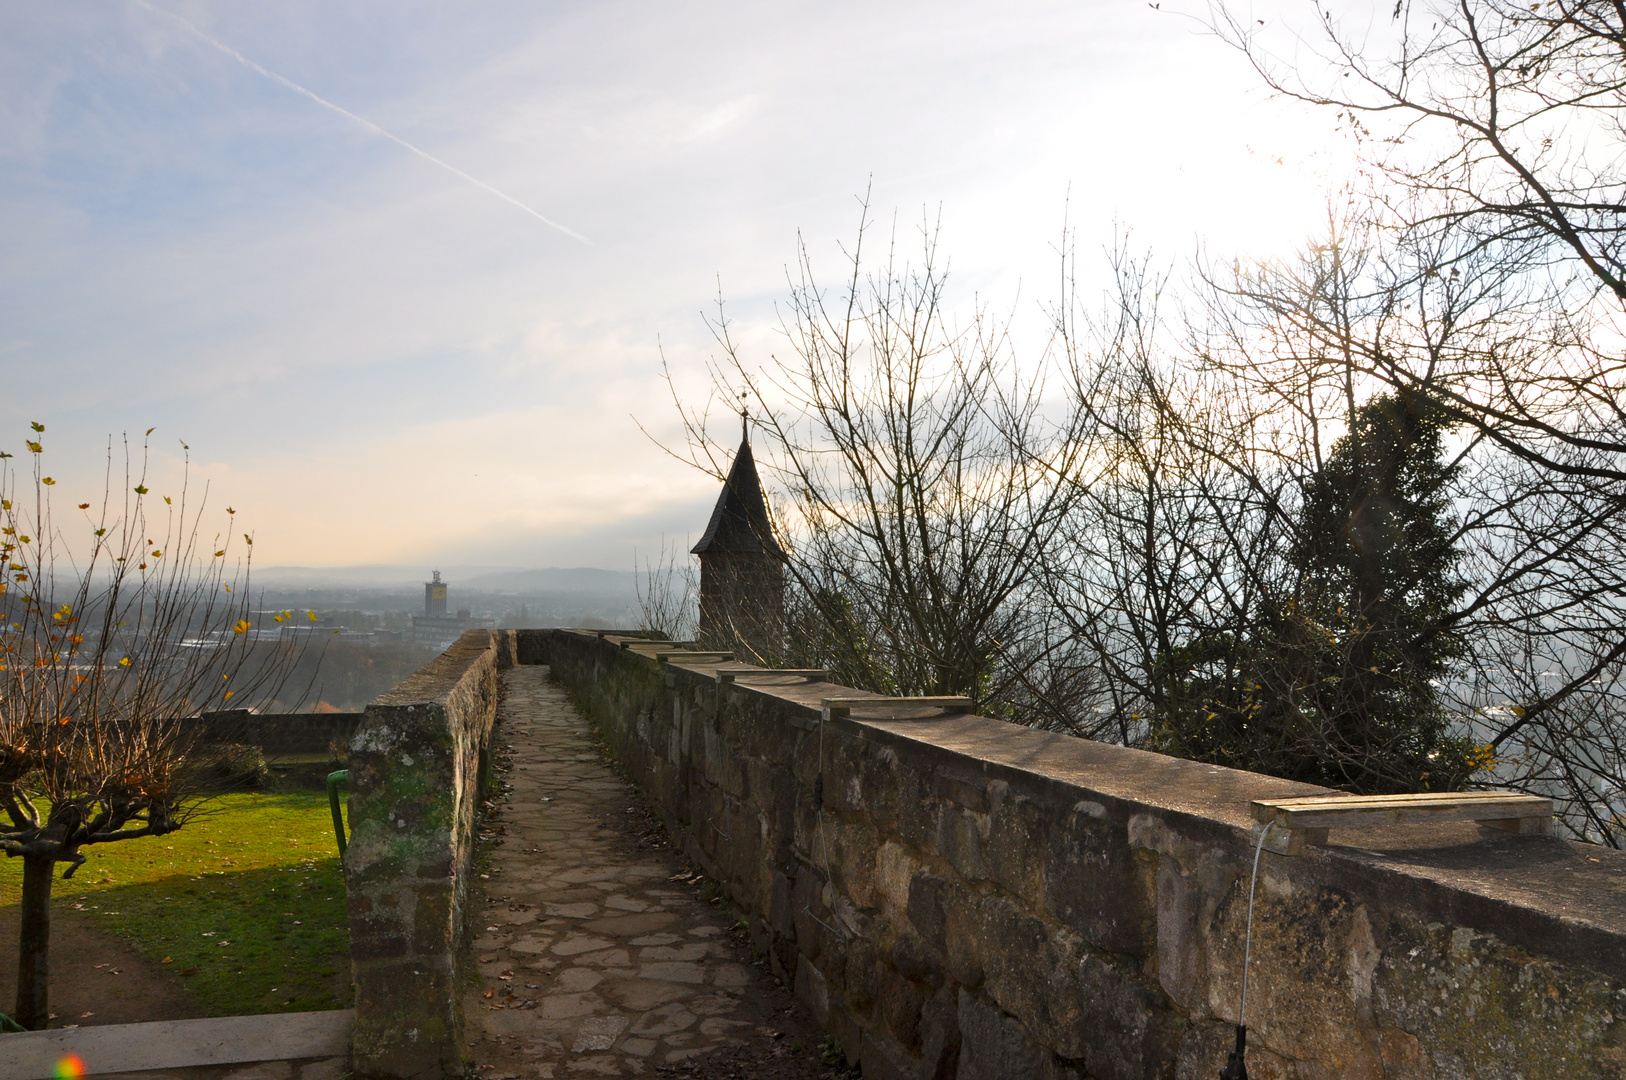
(176, 1044)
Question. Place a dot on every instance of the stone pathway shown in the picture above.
(599, 956)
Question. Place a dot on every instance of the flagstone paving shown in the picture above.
(598, 953)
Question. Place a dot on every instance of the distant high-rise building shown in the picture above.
(742, 569)
(434, 597)
(435, 626)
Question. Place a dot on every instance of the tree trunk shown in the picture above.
(34, 944)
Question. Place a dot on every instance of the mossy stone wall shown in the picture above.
(417, 765)
(975, 900)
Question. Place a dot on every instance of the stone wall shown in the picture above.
(978, 900)
(417, 765)
(281, 733)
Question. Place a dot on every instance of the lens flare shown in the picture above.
(71, 1067)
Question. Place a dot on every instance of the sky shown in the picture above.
(437, 345)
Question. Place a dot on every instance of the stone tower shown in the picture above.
(742, 569)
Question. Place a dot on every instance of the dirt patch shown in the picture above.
(96, 978)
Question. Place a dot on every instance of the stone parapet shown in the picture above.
(417, 765)
(281, 733)
(953, 896)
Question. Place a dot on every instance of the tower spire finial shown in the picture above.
(745, 419)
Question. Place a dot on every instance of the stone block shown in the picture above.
(1097, 884)
(900, 1004)
(940, 1035)
(880, 1058)
(811, 991)
(927, 893)
(994, 1046)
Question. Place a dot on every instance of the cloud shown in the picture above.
(383, 362)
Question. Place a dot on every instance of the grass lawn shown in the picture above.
(246, 901)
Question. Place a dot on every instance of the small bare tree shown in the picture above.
(667, 593)
(116, 631)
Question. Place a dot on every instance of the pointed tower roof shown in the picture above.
(739, 522)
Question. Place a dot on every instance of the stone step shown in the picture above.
(177, 1044)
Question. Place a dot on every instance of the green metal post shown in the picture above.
(334, 779)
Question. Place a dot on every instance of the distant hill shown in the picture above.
(472, 578)
(581, 579)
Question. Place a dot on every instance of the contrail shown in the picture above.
(368, 124)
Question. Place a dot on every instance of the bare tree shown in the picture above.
(1493, 132)
(116, 631)
(667, 593)
(919, 480)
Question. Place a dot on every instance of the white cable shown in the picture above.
(1247, 941)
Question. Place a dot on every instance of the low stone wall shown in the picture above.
(417, 764)
(281, 733)
(978, 900)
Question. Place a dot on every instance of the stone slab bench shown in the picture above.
(178, 1044)
(1304, 822)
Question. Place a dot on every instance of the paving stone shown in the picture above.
(327, 1069)
(599, 1033)
(632, 924)
(690, 952)
(559, 1006)
(639, 994)
(666, 1020)
(576, 980)
(673, 972)
(576, 944)
(638, 1047)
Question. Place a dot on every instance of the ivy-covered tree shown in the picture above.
(1335, 678)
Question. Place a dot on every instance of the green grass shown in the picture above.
(246, 901)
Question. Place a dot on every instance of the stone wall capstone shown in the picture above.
(417, 766)
(956, 897)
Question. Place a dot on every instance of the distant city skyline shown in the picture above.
(306, 239)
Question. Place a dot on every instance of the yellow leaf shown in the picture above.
(36, 425)
(47, 481)
(247, 539)
(141, 489)
(84, 506)
(229, 510)
(167, 502)
(311, 615)
(219, 553)
(241, 626)
(125, 662)
(34, 446)
(151, 430)
(229, 693)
